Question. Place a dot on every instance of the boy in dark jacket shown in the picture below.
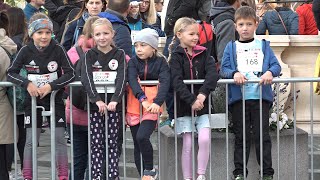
(245, 59)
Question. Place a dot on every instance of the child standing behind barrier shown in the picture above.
(102, 64)
(147, 64)
(190, 61)
(49, 69)
(245, 59)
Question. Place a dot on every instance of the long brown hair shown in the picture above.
(17, 22)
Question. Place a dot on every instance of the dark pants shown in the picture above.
(141, 139)
(170, 103)
(252, 123)
(21, 143)
(4, 175)
(98, 145)
(80, 151)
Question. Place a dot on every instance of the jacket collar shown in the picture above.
(195, 51)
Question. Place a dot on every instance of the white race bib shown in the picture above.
(42, 79)
(105, 76)
(251, 60)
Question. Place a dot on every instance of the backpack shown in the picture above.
(206, 37)
(21, 92)
(79, 95)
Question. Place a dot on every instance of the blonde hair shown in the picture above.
(100, 22)
(182, 23)
(151, 13)
(87, 27)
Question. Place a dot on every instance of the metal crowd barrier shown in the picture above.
(209, 175)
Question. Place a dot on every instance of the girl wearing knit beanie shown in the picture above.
(147, 64)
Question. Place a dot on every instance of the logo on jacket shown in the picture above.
(32, 67)
(113, 64)
(96, 63)
(52, 66)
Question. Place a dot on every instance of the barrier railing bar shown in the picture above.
(210, 147)
(227, 132)
(295, 130)
(34, 138)
(124, 137)
(278, 132)
(175, 135)
(53, 134)
(89, 138)
(261, 135)
(244, 159)
(192, 138)
(106, 132)
(311, 130)
(71, 134)
(15, 131)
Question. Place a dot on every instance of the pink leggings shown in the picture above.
(203, 152)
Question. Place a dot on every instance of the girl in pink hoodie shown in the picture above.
(80, 117)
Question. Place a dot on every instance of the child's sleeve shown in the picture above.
(14, 70)
(68, 74)
(211, 77)
(121, 79)
(176, 70)
(87, 78)
(226, 70)
(164, 82)
(274, 66)
(133, 81)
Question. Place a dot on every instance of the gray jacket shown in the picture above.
(273, 24)
(224, 30)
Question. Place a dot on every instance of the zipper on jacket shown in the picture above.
(145, 70)
(190, 62)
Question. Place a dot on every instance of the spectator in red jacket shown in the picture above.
(307, 23)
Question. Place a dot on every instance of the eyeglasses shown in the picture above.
(145, 2)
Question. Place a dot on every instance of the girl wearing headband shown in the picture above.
(49, 69)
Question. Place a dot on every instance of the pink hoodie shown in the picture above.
(80, 117)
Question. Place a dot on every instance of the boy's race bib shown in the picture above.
(42, 79)
(250, 60)
(105, 76)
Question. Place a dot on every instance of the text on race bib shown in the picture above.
(105, 76)
(42, 79)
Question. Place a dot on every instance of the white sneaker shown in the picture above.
(201, 177)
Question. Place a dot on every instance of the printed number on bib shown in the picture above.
(251, 61)
(105, 76)
(42, 79)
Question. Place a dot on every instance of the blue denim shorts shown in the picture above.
(184, 124)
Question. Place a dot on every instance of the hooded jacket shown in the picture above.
(229, 67)
(199, 66)
(120, 25)
(6, 111)
(74, 29)
(225, 30)
(155, 68)
(93, 57)
(273, 24)
(307, 23)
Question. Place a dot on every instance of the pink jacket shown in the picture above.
(80, 117)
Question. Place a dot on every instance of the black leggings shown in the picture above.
(21, 143)
(4, 175)
(141, 138)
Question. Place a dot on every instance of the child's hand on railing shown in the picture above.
(239, 78)
(146, 104)
(154, 108)
(201, 97)
(32, 90)
(266, 78)
(197, 105)
(44, 90)
(102, 106)
(112, 106)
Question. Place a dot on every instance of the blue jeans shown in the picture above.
(80, 151)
